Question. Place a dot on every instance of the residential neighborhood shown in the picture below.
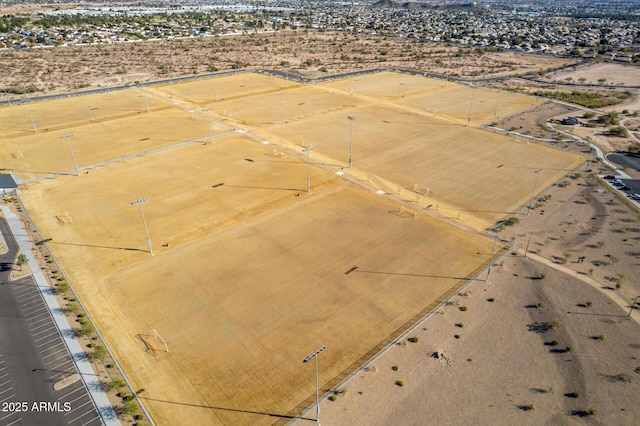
(610, 31)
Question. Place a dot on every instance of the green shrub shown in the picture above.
(413, 339)
(394, 368)
(491, 299)
(333, 397)
(463, 308)
(459, 325)
(401, 383)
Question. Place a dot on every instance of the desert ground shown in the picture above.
(307, 54)
(249, 273)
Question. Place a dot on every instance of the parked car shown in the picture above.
(617, 182)
(625, 188)
(635, 196)
(609, 177)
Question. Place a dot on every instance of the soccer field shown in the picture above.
(250, 270)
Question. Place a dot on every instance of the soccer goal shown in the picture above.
(419, 189)
(64, 218)
(406, 211)
(278, 154)
(154, 344)
(17, 155)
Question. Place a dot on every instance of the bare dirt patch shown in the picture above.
(311, 54)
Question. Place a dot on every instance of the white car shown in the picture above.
(617, 182)
(634, 196)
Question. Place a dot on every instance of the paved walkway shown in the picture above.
(105, 410)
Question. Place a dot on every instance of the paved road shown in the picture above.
(625, 160)
(33, 356)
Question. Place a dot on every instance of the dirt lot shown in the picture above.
(71, 68)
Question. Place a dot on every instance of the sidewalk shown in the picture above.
(105, 410)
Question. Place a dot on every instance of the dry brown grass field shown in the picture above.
(248, 276)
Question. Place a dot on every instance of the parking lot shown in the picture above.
(34, 358)
(628, 187)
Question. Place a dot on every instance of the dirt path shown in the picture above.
(613, 295)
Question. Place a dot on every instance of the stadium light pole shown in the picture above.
(470, 107)
(399, 85)
(75, 163)
(351, 120)
(144, 222)
(209, 122)
(33, 123)
(535, 183)
(308, 169)
(7, 95)
(356, 80)
(493, 250)
(286, 75)
(280, 95)
(306, 360)
(633, 305)
(91, 112)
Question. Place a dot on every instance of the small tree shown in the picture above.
(118, 383)
(86, 329)
(22, 259)
(130, 408)
(99, 353)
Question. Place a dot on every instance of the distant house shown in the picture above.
(570, 121)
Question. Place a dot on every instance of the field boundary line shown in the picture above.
(349, 373)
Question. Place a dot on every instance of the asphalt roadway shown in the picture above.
(625, 160)
(33, 356)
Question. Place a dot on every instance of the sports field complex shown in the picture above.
(223, 215)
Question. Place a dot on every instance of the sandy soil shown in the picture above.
(311, 54)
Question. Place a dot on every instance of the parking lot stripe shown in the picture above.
(34, 329)
(79, 406)
(12, 423)
(35, 310)
(25, 302)
(51, 339)
(91, 421)
(9, 415)
(77, 418)
(46, 321)
(40, 313)
(8, 390)
(8, 397)
(2, 384)
(44, 331)
(65, 396)
(54, 353)
(74, 400)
